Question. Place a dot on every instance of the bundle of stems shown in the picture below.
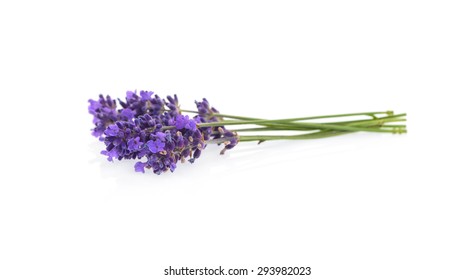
(305, 128)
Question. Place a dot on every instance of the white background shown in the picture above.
(361, 206)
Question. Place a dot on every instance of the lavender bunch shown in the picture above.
(157, 134)
(153, 131)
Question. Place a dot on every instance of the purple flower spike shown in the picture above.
(173, 105)
(150, 128)
(105, 113)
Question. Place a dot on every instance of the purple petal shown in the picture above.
(146, 95)
(110, 154)
(130, 94)
(191, 125)
(155, 146)
(96, 133)
(140, 167)
(181, 121)
(94, 105)
(127, 114)
(134, 144)
(112, 130)
(160, 135)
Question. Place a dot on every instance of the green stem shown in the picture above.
(222, 115)
(297, 129)
(377, 122)
(263, 121)
(295, 126)
(302, 125)
(371, 114)
(371, 120)
(308, 136)
(395, 125)
(285, 123)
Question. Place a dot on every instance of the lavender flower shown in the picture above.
(208, 114)
(154, 130)
(156, 133)
(144, 137)
(105, 113)
(146, 103)
(173, 105)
